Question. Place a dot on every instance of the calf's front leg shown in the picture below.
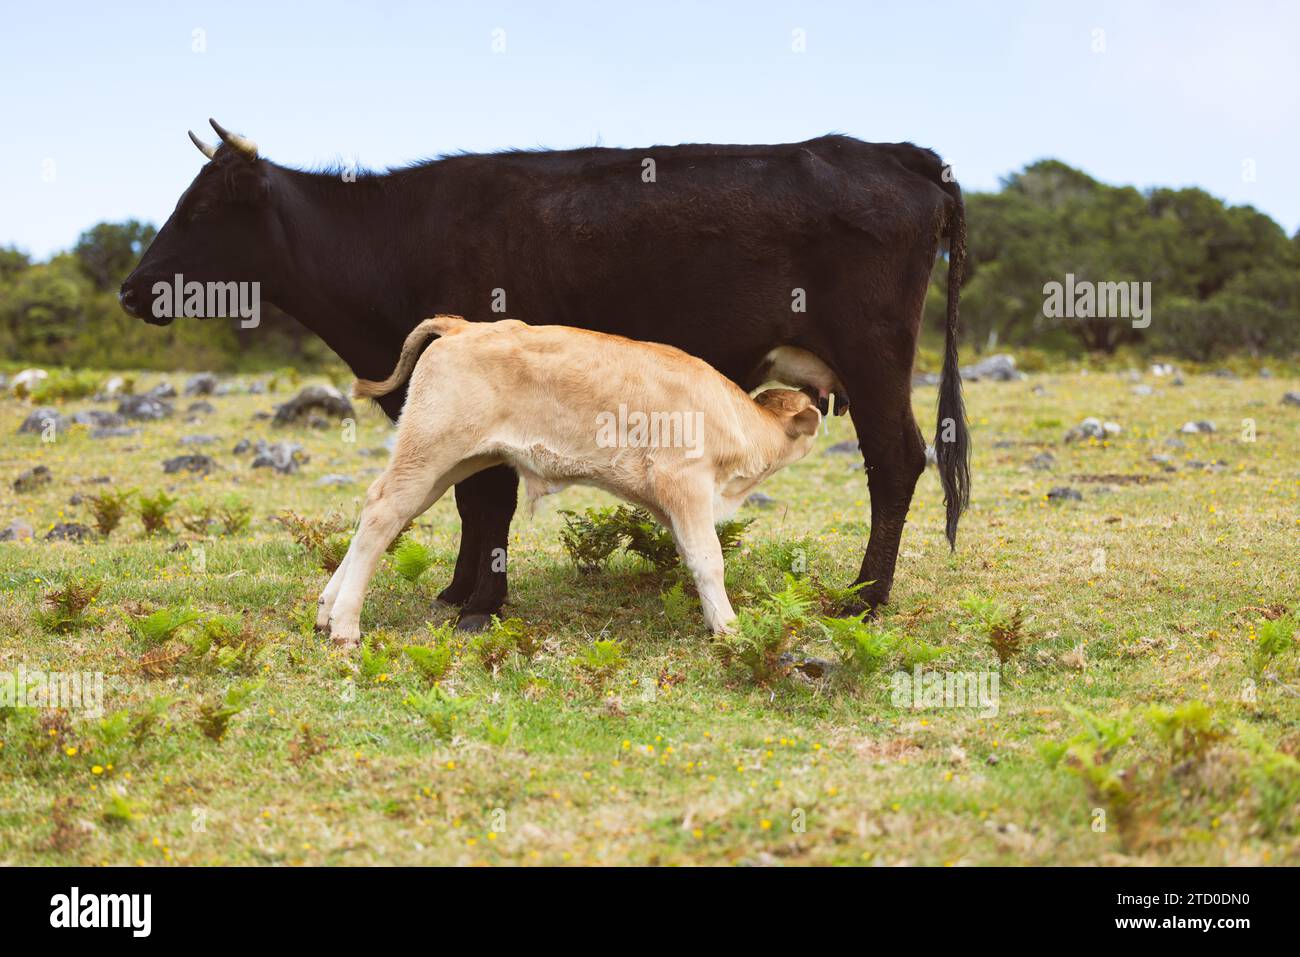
(697, 541)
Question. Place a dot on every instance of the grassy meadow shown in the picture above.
(1148, 708)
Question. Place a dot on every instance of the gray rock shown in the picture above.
(69, 532)
(198, 439)
(144, 408)
(98, 418)
(257, 387)
(998, 368)
(760, 500)
(38, 420)
(1192, 428)
(1143, 390)
(334, 480)
(242, 447)
(114, 387)
(1093, 428)
(1063, 493)
(206, 408)
(284, 457)
(163, 390)
(925, 379)
(17, 531)
(113, 432)
(205, 383)
(849, 447)
(315, 398)
(1291, 398)
(1166, 462)
(1043, 461)
(1175, 443)
(202, 464)
(812, 667)
(1224, 374)
(34, 478)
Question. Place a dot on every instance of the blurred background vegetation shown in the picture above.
(1225, 283)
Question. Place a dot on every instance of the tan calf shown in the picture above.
(564, 406)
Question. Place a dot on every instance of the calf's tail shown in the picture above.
(437, 326)
(952, 441)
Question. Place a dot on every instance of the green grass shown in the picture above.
(1138, 605)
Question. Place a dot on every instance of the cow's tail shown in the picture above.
(952, 441)
(437, 326)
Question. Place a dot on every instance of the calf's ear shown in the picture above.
(803, 423)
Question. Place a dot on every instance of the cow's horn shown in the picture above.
(241, 144)
(204, 148)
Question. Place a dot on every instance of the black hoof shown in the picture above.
(474, 622)
(841, 404)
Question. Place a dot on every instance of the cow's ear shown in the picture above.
(803, 423)
(248, 185)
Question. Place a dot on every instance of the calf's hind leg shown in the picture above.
(395, 498)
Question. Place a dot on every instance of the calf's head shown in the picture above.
(224, 229)
(798, 417)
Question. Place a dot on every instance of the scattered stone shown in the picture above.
(998, 368)
(1291, 398)
(1162, 369)
(242, 447)
(1039, 389)
(375, 451)
(925, 379)
(113, 387)
(257, 387)
(849, 447)
(25, 380)
(76, 498)
(1176, 380)
(41, 419)
(314, 398)
(1063, 493)
(760, 500)
(1093, 428)
(1143, 390)
(1191, 428)
(98, 418)
(17, 531)
(1224, 374)
(284, 457)
(163, 390)
(205, 383)
(1266, 373)
(333, 480)
(206, 408)
(812, 667)
(203, 464)
(113, 432)
(33, 479)
(1166, 462)
(198, 439)
(69, 532)
(144, 408)
(1043, 462)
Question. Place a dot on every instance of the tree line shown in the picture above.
(1224, 280)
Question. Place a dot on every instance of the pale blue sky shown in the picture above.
(1183, 94)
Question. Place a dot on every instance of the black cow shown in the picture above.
(723, 251)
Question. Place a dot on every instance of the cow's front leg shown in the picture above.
(493, 505)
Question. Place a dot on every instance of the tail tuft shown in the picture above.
(952, 439)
